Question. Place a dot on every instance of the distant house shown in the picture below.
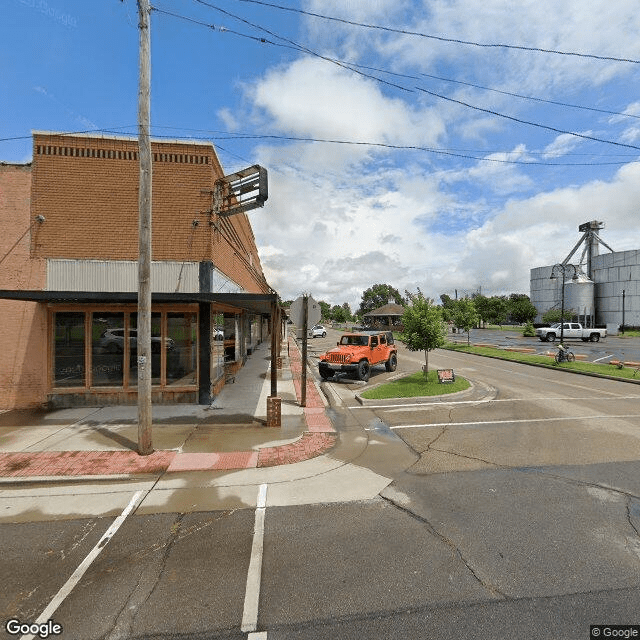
(389, 315)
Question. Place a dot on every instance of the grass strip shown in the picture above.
(414, 386)
(584, 367)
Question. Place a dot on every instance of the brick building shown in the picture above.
(68, 275)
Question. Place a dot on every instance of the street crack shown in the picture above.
(493, 590)
(149, 579)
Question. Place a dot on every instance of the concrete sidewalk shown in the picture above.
(231, 434)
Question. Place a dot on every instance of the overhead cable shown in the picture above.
(445, 39)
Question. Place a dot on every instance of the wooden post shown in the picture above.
(145, 446)
(275, 347)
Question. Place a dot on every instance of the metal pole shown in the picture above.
(145, 446)
(623, 292)
(562, 310)
(305, 331)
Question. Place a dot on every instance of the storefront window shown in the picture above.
(217, 345)
(108, 346)
(107, 356)
(182, 349)
(68, 366)
(156, 349)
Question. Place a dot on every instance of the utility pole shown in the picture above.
(145, 446)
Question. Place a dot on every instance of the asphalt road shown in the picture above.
(513, 513)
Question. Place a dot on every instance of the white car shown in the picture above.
(318, 331)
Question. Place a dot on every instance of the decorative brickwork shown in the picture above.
(86, 188)
(274, 411)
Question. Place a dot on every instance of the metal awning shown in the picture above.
(259, 303)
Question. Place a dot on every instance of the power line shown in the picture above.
(437, 95)
(445, 39)
(353, 66)
(523, 97)
(397, 147)
(299, 46)
(528, 122)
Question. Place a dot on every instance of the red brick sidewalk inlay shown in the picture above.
(80, 463)
(309, 446)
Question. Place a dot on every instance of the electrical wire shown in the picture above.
(445, 39)
(437, 95)
(299, 46)
(528, 122)
(437, 151)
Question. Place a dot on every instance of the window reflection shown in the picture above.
(68, 366)
(107, 349)
(182, 332)
(156, 349)
(217, 346)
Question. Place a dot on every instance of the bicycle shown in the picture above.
(564, 355)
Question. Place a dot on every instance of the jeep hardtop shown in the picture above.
(358, 352)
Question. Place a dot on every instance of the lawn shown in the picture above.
(585, 367)
(414, 386)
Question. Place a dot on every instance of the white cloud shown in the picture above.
(313, 98)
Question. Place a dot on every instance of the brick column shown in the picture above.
(274, 411)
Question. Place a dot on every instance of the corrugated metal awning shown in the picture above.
(260, 303)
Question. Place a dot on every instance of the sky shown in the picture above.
(446, 145)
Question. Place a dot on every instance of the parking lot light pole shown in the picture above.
(561, 267)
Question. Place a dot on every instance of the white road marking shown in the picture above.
(252, 592)
(478, 422)
(432, 405)
(76, 576)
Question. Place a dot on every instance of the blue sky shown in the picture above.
(462, 184)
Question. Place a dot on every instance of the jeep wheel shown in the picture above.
(363, 370)
(391, 363)
(325, 372)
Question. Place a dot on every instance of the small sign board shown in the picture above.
(446, 376)
(313, 312)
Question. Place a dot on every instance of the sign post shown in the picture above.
(304, 311)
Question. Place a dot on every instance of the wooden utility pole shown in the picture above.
(145, 446)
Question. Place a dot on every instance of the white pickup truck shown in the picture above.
(571, 330)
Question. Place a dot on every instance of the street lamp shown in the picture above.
(563, 268)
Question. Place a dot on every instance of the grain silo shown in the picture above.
(602, 288)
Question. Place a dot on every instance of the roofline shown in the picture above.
(106, 136)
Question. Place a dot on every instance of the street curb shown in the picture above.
(547, 366)
(416, 399)
(319, 438)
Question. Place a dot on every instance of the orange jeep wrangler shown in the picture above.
(358, 352)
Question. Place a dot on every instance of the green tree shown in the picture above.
(377, 296)
(424, 329)
(339, 314)
(521, 309)
(498, 310)
(555, 315)
(483, 307)
(465, 316)
(325, 310)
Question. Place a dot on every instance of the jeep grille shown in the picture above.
(337, 357)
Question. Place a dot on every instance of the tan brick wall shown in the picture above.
(23, 357)
(87, 189)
